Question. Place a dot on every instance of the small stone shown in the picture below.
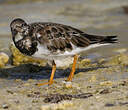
(121, 59)
(3, 59)
(17, 101)
(18, 80)
(27, 84)
(123, 83)
(58, 106)
(105, 91)
(109, 105)
(30, 80)
(93, 79)
(101, 61)
(45, 107)
(67, 103)
(5, 106)
(106, 83)
(67, 84)
(9, 91)
(85, 62)
(35, 101)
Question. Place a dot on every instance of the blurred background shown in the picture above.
(103, 17)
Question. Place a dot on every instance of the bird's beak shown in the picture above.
(14, 32)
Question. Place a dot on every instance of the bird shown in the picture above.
(54, 42)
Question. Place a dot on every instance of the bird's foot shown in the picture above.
(46, 83)
(70, 77)
(69, 80)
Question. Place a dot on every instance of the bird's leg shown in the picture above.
(53, 72)
(52, 76)
(73, 68)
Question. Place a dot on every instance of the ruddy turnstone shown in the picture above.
(54, 42)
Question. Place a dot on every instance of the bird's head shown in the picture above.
(19, 26)
(21, 37)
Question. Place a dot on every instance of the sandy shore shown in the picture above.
(104, 80)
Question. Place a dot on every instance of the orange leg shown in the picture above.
(52, 76)
(73, 68)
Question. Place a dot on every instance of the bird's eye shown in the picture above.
(22, 25)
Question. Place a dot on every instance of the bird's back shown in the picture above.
(59, 39)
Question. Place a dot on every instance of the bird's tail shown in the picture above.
(109, 39)
(101, 39)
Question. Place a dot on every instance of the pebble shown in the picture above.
(5, 106)
(101, 61)
(18, 80)
(17, 101)
(59, 106)
(85, 62)
(3, 59)
(106, 83)
(67, 84)
(105, 91)
(27, 84)
(93, 79)
(10, 92)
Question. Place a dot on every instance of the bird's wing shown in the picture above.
(58, 36)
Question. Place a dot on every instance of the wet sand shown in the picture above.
(105, 81)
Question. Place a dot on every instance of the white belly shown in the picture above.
(62, 62)
(61, 59)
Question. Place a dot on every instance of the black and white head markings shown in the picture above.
(20, 35)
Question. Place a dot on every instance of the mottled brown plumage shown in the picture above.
(58, 37)
(61, 37)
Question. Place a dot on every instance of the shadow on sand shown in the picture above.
(30, 71)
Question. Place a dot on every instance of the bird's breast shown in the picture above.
(42, 52)
(18, 37)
